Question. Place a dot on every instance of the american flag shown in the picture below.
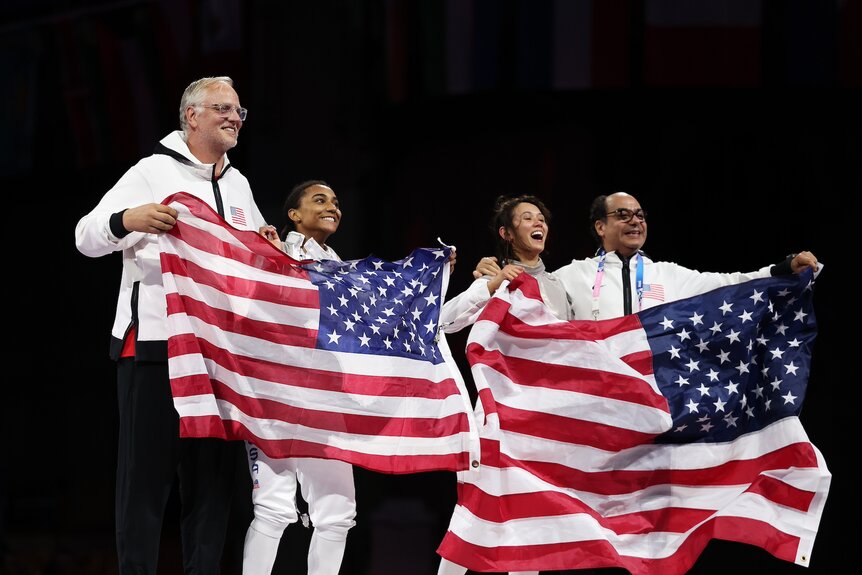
(632, 442)
(329, 359)
(237, 216)
(654, 291)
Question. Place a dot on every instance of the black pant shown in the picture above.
(150, 455)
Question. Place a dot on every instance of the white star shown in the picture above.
(762, 340)
(417, 315)
(775, 383)
(375, 329)
(745, 316)
(354, 291)
(758, 391)
(756, 296)
(363, 280)
(406, 346)
(767, 405)
(437, 254)
(343, 300)
(382, 291)
(681, 381)
(431, 299)
(365, 309)
(348, 325)
(730, 420)
(723, 356)
(702, 346)
(731, 389)
(794, 342)
(776, 353)
(356, 316)
(387, 343)
(332, 310)
(733, 336)
(789, 398)
(667, 323)
(712, 375)
(719, 405)
(408, 263)
(725, 307)
(334, 337)
(791, 368)
(372, 299)
(692, 365)
(390, 281)
(364, 339)
(703, 390)
(742, 367)
(800, 316)
(692, 406)
(780, 328)
(674, 352)
(716, 328)
(430, 327)
(407, 291)
(706, 427)
(378, 265)
(329, 285)
(696, 319)
(683, 335)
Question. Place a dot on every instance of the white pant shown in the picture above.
(327, 486)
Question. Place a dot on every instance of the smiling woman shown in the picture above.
(312, 214)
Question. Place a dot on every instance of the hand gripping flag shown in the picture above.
(632, 442)
(337, 360)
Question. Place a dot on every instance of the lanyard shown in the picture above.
(600, 274)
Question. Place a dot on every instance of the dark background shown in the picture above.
(735, 123)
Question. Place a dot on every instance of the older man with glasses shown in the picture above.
(620, 279)
(128, 219)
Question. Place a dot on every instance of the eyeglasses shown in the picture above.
(224, 110)
(626, 215)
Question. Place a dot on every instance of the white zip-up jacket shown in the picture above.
(662, 282)
(172, 168)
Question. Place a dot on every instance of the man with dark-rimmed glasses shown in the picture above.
(128, 219)
(621, 279)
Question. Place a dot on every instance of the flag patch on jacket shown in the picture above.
(237, 216)
(654, 291)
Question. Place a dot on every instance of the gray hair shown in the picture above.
(194, 93)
